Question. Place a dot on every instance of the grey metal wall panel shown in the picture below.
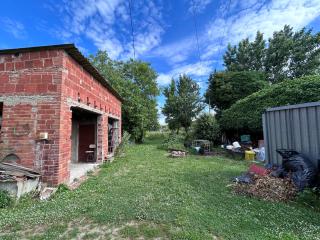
(292, 127)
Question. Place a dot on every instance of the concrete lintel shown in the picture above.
(26, 99)
(72, 103)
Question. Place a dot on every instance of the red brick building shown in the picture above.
(56, 111)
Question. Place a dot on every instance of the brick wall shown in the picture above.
(30, 92)
(80, 89)
(37, 90)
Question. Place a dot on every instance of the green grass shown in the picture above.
(146, 194)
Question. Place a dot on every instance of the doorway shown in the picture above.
(113, 135)
(83, 136)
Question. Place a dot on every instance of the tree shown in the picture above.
(247, 56)
(246, 114)
(230, 58)
(171, 107)
(289, 54)
(206, 127)
(257, 49)
(183, 102)
(225, 88)
(136, 83)
(305, 54)
(278, 54)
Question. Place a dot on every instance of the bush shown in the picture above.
(121, 149)
(174, 141)
(206, 127)
(5, 199)
(246, 114)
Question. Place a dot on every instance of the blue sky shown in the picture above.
(164, 30)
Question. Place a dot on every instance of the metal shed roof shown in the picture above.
(74, 52)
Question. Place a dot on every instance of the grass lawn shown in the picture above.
(149, 196)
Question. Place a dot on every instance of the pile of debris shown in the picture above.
(177, 153)
(18, 180)
(278, 183)
(267, 188)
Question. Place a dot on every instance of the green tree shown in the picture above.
(225, 88)
(136, 83)
(170, 107)
(246, 56)
(257, 53)
(289, 54)
(278, 54)
(246, 114)
(305, 54)
(183, 102)
(206, 127)
(230, 58)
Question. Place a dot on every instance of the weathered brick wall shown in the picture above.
(30, 92)
(79, 84)
(37, 90)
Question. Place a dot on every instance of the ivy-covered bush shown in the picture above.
(206, 127)
(5, 199)
(174, 141)
(246, 114)
(122, 148)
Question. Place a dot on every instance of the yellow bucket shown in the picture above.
(249, 155)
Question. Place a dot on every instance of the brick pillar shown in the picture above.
(102, 138)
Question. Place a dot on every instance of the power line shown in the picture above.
(224, 32)
(132, 31)
(196, 28)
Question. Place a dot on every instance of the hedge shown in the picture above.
(246, 114)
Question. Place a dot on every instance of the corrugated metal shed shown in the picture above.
(292, 127)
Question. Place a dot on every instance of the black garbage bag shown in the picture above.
(303, 172)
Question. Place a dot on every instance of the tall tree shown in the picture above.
(225, 88)
(305, 54)
(230, 58)
(170, 107)
(278, 54)
(243, 56)
(257, 49)
(183, 102)
(136, 83)
(289, 54)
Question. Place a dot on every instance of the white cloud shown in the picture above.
(266, 17)
(196, 70)
(198, 6)
(107, 24)
(13, 27)
(240, 20)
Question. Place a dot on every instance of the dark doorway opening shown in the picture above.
(113, 134)
(84, 136)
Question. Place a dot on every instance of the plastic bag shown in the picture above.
(303, 172)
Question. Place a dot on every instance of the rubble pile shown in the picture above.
(178, 154)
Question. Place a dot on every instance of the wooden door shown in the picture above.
(87, 136)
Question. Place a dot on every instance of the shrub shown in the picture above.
(5, 199)
(174, 141)
(121, 149)
(206, 127)
(246, 114)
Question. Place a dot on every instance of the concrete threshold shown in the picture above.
(78, 170)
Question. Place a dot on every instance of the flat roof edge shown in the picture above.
(287, 107)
